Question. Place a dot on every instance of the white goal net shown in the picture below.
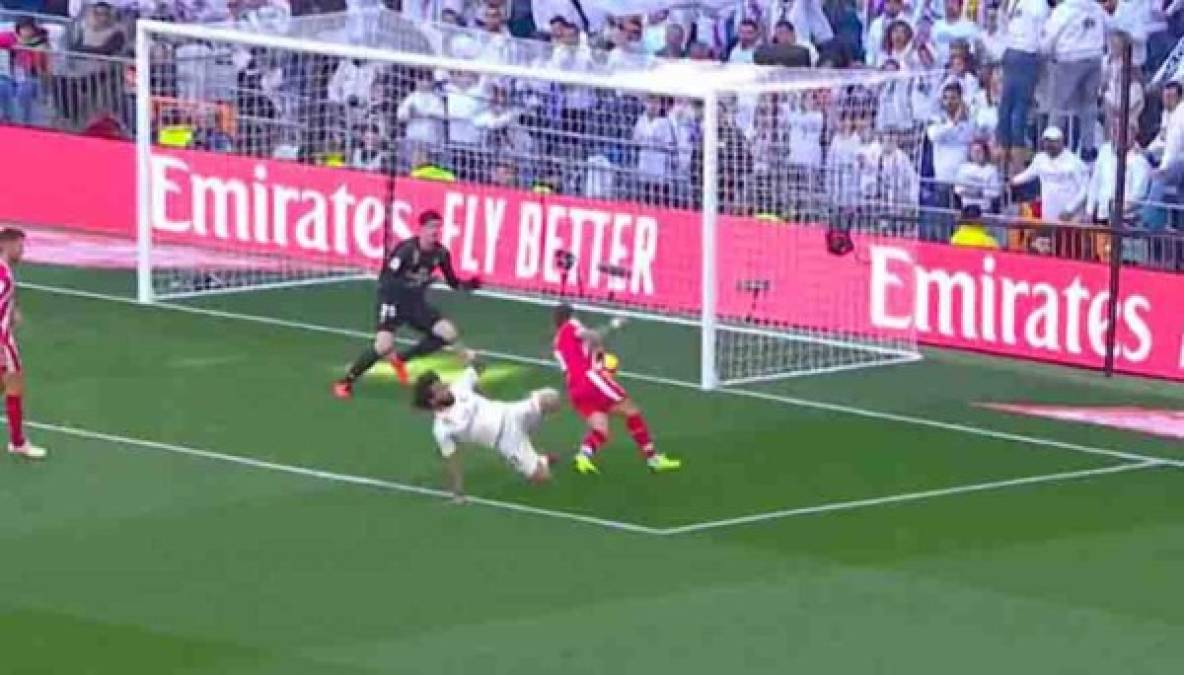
(747, 218)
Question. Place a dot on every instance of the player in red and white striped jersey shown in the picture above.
(12, 247)
(595, 393)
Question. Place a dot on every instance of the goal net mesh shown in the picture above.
(294, 152)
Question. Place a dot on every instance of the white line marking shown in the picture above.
(547, 363)
(336, 477)
(910, 497)
(1140, 460)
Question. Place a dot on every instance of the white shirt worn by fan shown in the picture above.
(805, 135)
(946, 32)
(978, 185)
(424, 113)
(656, 146)
(353, 81)
(465, 104)
(1102, 182)
(1063, 182)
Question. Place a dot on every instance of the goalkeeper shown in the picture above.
(407, 272)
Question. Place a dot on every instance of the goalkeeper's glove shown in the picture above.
(471, 284)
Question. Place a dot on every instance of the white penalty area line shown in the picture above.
(333, 476)
(395, 486)
(761, 395)
(913, 496)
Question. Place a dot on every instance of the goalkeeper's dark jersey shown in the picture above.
(410, 269)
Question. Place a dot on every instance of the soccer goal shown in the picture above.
(755, 224)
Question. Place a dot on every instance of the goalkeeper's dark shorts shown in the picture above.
(398, 307)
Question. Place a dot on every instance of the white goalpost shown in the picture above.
(763, 217)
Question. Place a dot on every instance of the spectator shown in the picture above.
(898, 183)
(700, 51)
(1131, 18)
(1074, 37)
(1021, 67)
(208, 133)
(971, 231)
(1064, 178)
(899, 47)
(371, 154)
(464, 100)
(785, 34)
(498, 123)
(28, 63)
(628, 50)
(423, 112)
(851, 161)
(98, 32)
(875, 42)
(743, 50)
(977, 182)
(959, 71)
(1113, 75)
(655, 139)
(949, 135)
(1101, 192)
(505, 174)
(674, 45)
(984, 106)
(803, 119)
(353, 82)
(894, 110)
(767, 140)
(1171, 95)
(582, 16)
(951, 28)
(686, 115)
(992, 41)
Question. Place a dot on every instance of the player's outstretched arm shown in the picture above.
(456, 477)
(453, 281)
(595, 337)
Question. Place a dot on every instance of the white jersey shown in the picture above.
(472, 419)
(499, 425)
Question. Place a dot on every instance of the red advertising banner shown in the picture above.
(1009, 304)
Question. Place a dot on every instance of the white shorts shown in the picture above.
(514, 445)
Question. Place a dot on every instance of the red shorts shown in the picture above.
(597, 392)
(10, 356)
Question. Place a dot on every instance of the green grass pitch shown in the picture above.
(209, 508)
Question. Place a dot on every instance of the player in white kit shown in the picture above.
(463, 415)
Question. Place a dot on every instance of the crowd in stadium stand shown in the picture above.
(1015, 108)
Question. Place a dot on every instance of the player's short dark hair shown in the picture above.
(751, 24)
(1174, 86)
(430, 217)
(421, 393)
(563, 313)
(8, 234)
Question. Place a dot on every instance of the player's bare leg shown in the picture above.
(639, 431)
(443, 334)
(594, 440)
(383, 346)
(18, 444)
(548, 403)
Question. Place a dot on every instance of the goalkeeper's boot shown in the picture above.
(659, 463)
(28, 451)
(584, 465)
(343, 389)
(400, 367)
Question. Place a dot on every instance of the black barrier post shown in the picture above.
(1118, 206)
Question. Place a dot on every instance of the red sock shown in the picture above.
(14, 406)
(640, 433)
(593, 441)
